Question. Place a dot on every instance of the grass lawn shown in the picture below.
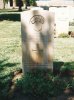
(10, 52)
(64, 49)
(11, 57)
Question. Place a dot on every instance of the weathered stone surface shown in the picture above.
(37, 28)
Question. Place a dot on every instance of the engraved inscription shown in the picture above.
(37, 21)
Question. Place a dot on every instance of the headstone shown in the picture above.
(8, 4)
(37, 28)
(61, 19)
(1, 4)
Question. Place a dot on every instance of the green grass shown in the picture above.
(64, 53)
(10, 52)
(64, 49)
(11, 56)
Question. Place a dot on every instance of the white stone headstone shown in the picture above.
(37, 27)
(61, 19)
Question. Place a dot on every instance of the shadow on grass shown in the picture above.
(41, 84)
(37, 82)
(5, 77)
(10, 17)
(63, 68)
(4, 64)
(57, 66)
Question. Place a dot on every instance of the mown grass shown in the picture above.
(11, 57)
(64, 49)
(10, 53)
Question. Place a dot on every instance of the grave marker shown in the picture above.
(37, 27)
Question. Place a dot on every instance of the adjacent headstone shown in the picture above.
(61, 19)
(1, 4)
(37, 28)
